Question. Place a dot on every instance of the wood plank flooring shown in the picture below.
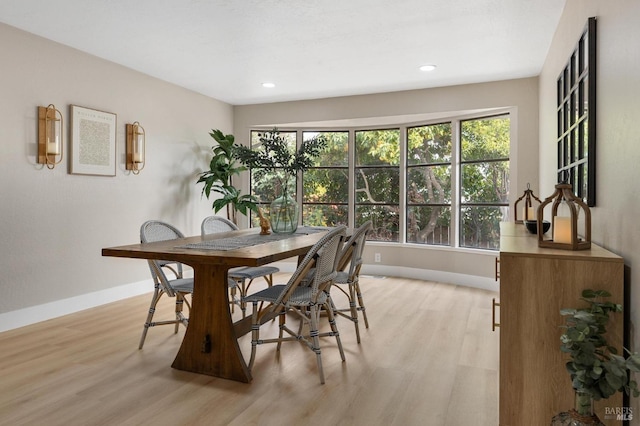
(428, 358)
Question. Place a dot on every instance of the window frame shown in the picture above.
(461, 163)
(456, 165)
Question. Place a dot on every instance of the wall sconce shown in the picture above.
(564, 223)
(136, 142)
(49, 136)
(528, 210)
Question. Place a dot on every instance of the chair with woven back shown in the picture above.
(243, 275)
(351, 255)
(305, 299)
(178, 286)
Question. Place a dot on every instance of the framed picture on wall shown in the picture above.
(576, 113)
(93, 142)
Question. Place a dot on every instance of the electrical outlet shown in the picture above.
(377, 257)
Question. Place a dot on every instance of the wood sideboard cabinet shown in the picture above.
(535, 283)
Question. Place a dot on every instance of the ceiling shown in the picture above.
(226, 49)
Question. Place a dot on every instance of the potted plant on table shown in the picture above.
(596, 370)
(219, 178)
(275, 157)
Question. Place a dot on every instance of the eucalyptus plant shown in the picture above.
(595, 367)
(219, 178)
(276, 157)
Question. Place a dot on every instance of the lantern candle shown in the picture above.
(531, 213)
(562, 230)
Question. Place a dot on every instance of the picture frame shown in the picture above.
(576, 117)
(93, 142)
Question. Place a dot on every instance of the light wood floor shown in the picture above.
(428, 358)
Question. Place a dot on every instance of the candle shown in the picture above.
(138, 147)
(53, 138)
(531, 213)
(53, 148)
(562, 230)
(528, 213)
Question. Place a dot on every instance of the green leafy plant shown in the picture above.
(218, 178)
(276, 157)
(595, 367)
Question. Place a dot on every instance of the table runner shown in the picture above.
(233, 243)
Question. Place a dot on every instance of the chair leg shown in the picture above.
(334, 328)
(354, 309)
(314, 334)
(361, 308)
(179, 316)
(233, 299)
(255, 334)
(282, 321)
(243, 293)
(152, 309)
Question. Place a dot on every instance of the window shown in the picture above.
(484, 180)
(377, 183)
(429, 184)
(264, 186)
(451, 189)
(325, 195)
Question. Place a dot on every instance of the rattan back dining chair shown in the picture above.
(178, 286)
(304, 301)
(351, 255)
(243, 275)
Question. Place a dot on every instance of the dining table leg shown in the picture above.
(210, 345)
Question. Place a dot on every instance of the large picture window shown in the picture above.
(441, 184)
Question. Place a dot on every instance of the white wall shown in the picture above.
(54, 224)
(459, 266)
(614, 223)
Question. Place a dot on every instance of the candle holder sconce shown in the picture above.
(136, 147)
(50, 143)
(528, 210)
(564, 220)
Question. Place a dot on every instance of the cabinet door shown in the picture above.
(534, 384)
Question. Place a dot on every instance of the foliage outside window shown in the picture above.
(325, 195)
(484, 175)
(429, 152)
(455, 181)
(377, 182)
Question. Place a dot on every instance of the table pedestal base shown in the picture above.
(210, 345)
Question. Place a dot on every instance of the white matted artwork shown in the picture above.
(93, 142)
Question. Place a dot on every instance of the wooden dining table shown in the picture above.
(210, 345)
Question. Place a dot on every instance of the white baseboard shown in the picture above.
(58, 308)
(419, 274)
(34, 314)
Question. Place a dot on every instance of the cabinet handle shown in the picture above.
(493, 316)
(497, 268)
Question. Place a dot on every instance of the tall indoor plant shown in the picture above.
(219, 178)
(275, 157)
(596, 369)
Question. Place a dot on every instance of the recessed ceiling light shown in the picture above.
(268, 85)
(427, 68)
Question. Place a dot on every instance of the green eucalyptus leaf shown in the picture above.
(614, 381)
